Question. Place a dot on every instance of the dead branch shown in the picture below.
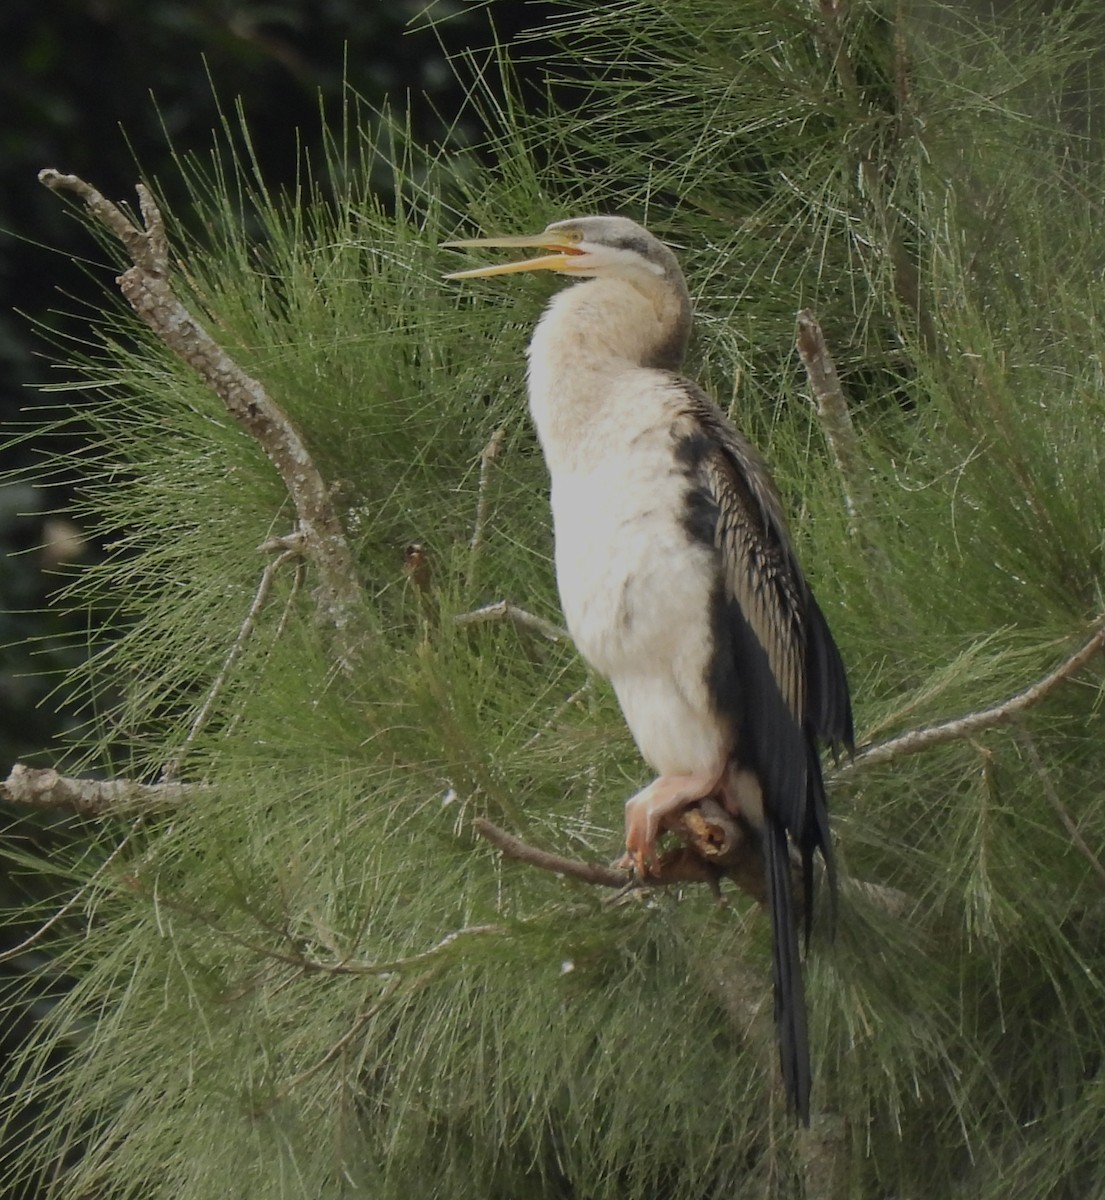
(836, 421)
(147, 287)
(503, 610)
(968, 725)
(45, 788)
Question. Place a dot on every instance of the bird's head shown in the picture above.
(589, 247)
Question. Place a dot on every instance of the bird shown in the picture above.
(678, 578)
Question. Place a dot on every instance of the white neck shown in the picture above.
(590, 334)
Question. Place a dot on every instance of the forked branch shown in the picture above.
(147, 286)
(835, 419)
(504, 610)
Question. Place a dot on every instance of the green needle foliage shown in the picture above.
(311, 979)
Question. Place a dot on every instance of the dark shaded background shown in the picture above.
(100, 88)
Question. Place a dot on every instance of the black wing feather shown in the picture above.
(786, 969)
(779, 677)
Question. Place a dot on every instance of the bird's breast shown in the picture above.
(636, 588)
(625, 567)
(627, 571)
(637, 594)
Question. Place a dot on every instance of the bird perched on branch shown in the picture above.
(677, 576)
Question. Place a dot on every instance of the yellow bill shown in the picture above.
(550, 240)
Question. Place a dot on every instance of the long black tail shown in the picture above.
(790, 995)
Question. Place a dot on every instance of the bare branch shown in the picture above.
(503, 610)
(43, 787)
(836, 420)
(968, 725)
(147, 287)
(513, 847)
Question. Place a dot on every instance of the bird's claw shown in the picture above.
(640, 863)
(640, 844)
(651, 811)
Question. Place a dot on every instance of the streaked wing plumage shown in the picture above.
(778, 676)
(780, 649)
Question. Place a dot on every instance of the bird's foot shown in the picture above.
(646, 811)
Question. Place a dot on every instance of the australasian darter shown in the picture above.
(677, 576)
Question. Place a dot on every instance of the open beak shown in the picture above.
(549, 240)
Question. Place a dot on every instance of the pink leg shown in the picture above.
(645, 812)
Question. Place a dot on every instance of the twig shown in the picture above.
(503, 610)
(483, 502)
(966, 726)
(1053, 798)
(147, 287)
(560, 710)
(297, 956)
(43, 787)
(171, 769)
(293, 592)
(836, 420)
(513, 847)
(354, 967)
